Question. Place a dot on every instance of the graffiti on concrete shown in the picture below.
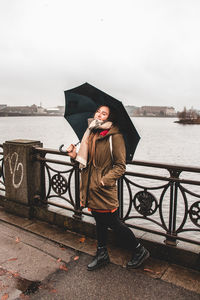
(16, 169)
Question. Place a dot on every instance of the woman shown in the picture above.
(102, 157)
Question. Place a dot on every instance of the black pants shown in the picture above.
(123, 233)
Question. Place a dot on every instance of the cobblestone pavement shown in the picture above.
(40, 261)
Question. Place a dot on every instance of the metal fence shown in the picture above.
(2, 184)
(156, 198)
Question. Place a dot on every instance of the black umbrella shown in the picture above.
(81, 104)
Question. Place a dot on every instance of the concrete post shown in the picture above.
(22, 176)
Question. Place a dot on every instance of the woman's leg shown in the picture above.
(101, 229)
(123, 232)
(139, 253)
(101, 258)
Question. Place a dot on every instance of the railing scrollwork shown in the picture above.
(2, 178)
(61, 188)
(166, 205)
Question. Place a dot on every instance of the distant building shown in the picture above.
(32, 110)
(61, 109)
(18, 110)
(132, 110)
(2, 106)
(52, 111)
(41, 110)
(157, 111)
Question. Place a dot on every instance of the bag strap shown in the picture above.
(110, 142)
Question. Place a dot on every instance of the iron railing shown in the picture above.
(160, 199)
(2, 179)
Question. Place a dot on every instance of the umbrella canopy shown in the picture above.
(81, 104)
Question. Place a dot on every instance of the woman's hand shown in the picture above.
(71, 150)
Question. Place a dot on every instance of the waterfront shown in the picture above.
(162, 140)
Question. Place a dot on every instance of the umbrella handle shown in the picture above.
(60, 149)
(61, 146)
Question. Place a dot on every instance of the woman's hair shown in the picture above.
(112, 115)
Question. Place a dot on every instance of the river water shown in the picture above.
(162, 141)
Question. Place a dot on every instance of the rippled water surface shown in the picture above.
(162, 140)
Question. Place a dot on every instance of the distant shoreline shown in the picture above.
(26, 115)
(188, 121)
(57, 115)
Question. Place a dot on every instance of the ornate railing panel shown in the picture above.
(165, 205)
(2, 179)
(60, 181)
(156, 198)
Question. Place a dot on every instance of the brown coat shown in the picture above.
(107, 168)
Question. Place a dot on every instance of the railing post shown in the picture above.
(40, 195)
(175, 211)
(22, 176)
(78, 212)
(171, 240)
(120, 196)
(2, 184)
(168, 240)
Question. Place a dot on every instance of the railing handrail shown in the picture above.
(164, 166)
(49, 151)
(134, 162)
(137, 174)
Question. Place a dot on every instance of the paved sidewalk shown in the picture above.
(40, 261)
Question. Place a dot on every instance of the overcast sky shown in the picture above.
(143, 52)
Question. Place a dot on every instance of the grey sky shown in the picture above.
(144, 52)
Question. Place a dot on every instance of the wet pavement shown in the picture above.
(41, 261)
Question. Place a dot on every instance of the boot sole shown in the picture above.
(147, 254)
(99, 266)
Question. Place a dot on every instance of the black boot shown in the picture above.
(139, 256)
(101, 259)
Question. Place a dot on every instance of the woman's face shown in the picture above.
(102, 113)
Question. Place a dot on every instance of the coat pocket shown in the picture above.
(109, 182)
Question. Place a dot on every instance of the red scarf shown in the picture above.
(104, 132)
